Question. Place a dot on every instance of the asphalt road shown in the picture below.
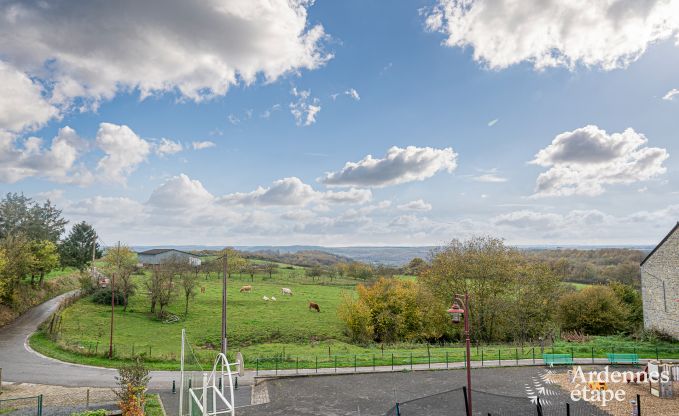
(20, 364)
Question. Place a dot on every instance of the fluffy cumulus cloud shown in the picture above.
(22, 104)
(603, 33)
(180, 192)
(416, 205)
(93, 50)
(168, 147)
(305, 107)
(584, 161)
(671, 94)
(123, 149)
(203, 145)
(351, 196)
(400, 165)
(31, 158)
(286, 191)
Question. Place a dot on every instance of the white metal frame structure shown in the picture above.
(209, 399)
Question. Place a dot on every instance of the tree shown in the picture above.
(314, 272)
(595, 310)
(416, 266)
(132, 380)
(270, 269)
(20, 214)
(120, 262)
(631, 298)
(76, 249)
(45, 259)
(17, 249)
(251, 269)
(189, 281)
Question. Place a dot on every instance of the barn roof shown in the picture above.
(660, 244)
(155, 251)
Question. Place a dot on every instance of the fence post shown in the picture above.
(499, 360)
(465, 361)
(429, 356)
(411, 361)
(638, 405)
(517, 355)
(572, 355)
(335, 363)
(297, 365)
(392, 361)
(533, 355)
(398, 411)
(568, 409)
(481, 358)
(466, 404)
(354, 363)
(257, 372)
(657, 356)
(373, 362)
(317, 363)
(40, 405)
(276, 361)
(592, 355)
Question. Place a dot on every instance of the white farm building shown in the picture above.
(160, 255)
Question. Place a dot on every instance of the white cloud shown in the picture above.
(491, 176)
(233, 119)
(398, 166)
(601, 33)
(22, 105)
(305, 108)
(198, 50)
(352, 196)
(670, 94)
(493, 122)
(124, 151)
(203, 145)
(586, 160)
(353, 94)
(168, 147)
(180, 192)
(32, 159)
(286, 191)
(416, 205)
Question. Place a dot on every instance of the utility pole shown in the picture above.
(225, 262)
(94, 252)
(113, 301)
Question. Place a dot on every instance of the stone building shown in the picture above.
(660, 285)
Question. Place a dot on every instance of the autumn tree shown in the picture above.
(120, 262)
(17, 250)
(189, 282)
(270, 269)
(594, 310)
(45, 259)
(416, 266)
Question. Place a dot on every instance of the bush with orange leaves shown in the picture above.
(132, 380)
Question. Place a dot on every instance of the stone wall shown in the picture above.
(660, 287)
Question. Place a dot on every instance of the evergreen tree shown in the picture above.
(76, 249)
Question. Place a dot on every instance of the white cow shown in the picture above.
(273, 298)
(265, 298)
(286, 291)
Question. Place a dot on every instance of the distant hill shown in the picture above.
(307, 258)
(392, 256)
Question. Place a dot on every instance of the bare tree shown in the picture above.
(189, 282)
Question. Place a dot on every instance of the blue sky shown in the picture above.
(479, 119)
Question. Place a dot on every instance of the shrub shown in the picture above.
(87, 283)
(595, 310)
(102, 296)
(132, 380)
(100, 412)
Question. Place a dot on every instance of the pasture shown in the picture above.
(255, 326)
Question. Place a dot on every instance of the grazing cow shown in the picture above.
(246, 288)
(286, 291)
(273, 298)
(315, 306)
(265, 298)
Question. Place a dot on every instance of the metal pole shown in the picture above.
(225, 261)
(113, 298)
(181, 381)
(468, 342)
(466, 401)
(638, 405)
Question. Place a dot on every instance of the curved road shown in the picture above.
(21, 364)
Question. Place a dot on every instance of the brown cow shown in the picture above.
(315, 306)
(246, 288)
